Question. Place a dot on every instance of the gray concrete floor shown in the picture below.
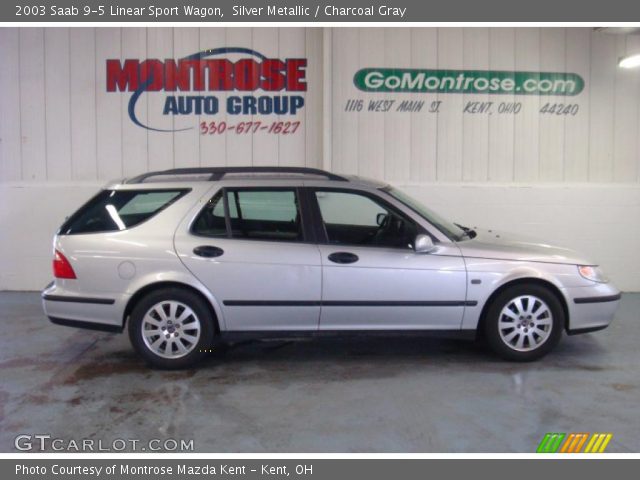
(361, 395)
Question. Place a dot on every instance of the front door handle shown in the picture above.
(343, 257)
(208, 251)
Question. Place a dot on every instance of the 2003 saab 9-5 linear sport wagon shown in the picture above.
(188, 257)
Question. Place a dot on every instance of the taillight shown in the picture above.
(61, 266)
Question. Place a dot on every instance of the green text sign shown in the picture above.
(468, 81)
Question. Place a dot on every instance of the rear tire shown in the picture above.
(524, 323)
(172, 328)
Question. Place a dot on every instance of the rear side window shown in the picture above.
(113, 210)
(261, 214)
(211, 221)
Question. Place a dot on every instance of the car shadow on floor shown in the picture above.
(359, 356)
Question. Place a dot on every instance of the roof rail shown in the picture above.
(217, 173)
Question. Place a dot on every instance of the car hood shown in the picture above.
(507, 246)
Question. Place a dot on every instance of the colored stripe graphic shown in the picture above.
(574, 442)
(598, 443)
(550, 443)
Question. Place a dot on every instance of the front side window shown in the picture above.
(450, 229)
(262, 214)
(351, 218)
(113, 210)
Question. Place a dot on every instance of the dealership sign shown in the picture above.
(257, 85)
(468, 81)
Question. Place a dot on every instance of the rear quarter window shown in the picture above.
(114, 210)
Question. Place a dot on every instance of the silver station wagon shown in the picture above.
(187, 258)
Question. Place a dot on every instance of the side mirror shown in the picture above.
(380, 218)
(423, 244)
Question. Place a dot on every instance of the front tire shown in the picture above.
(524, 322)
(171, 328)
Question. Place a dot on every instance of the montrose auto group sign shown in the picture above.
(253, 85)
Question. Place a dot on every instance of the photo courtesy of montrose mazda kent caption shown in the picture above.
(187, 258)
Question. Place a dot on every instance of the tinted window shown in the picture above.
(450, 229)
(265, 214)
(211, 221)
(356, 219)
(113, 210)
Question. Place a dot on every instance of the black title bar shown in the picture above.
(318, 11)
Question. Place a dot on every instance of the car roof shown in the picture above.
(203, 176)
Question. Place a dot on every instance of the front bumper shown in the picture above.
(591, 308)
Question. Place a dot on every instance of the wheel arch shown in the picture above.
(145, 290)
(520, 281)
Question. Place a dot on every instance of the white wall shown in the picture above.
(566, 179)
(599, 220)
(571, 180)
(600, 144)
(59, 123)
(30, 213)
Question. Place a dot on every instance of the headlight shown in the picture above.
(593, 273)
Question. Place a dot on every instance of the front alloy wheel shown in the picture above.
(524, 322)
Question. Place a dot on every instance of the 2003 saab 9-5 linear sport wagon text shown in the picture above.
(184, 258)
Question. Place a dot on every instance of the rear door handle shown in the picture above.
(343, 257)
(208, 251)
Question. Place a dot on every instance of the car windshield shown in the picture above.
(450, 229)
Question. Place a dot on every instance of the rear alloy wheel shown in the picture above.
(171, 328)
(524, 322)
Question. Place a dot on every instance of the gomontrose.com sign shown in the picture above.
(468, 81)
